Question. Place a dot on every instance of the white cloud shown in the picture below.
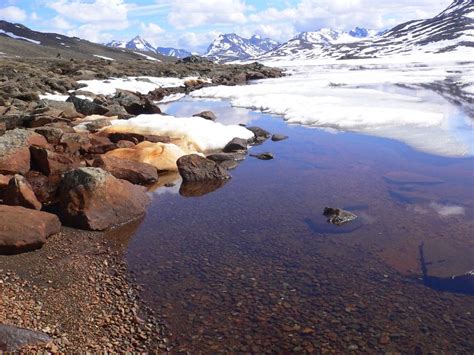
(60, 23)
(96, 11)
(12, 14)
(188, 14)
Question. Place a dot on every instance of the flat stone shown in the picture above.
(14, 338)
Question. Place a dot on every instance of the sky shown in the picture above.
(194, 24)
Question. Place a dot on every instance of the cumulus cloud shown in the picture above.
(12, 14)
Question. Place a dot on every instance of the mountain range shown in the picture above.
(142, 45)
(450, 30)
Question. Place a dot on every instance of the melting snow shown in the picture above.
(148, 57)
(364, 96)
(103, 57)
(205, 135)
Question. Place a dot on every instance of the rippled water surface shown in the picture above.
(254, 266)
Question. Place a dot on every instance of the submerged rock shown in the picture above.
(23, 229)
(338, 216)
(91, 198)
(279, 137)
(221, 157)
(14, 338)
(208, 115)
(263, 156)
(200, 188)
(194, 168)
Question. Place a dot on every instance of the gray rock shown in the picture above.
(87, 107)
(263, 156)
(260, 135)
(193, 168)
(338, 216)
(236, 145)
(208, 115)
(221, 157)
(13, 338)
(279, 137)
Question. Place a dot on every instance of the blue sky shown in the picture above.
(193, 24)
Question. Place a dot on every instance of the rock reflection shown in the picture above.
(200, 188)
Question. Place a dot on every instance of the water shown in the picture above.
(254, 266)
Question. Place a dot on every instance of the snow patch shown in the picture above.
(103, 57)
(203, 134)
(148, 57)
(14, 36)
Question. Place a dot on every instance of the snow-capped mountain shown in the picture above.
(142, 45)
(228, 47)
(452, 29)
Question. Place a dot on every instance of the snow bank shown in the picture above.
(102, 57)
(375, 97)
(203, 134)
(142, 85)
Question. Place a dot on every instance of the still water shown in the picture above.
(254, 267)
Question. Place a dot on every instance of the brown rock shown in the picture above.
(23, 229)
(236, 145)
(100, 145)
(4, 180)
(208, 115)
(193, 168)
(49, 162)
(200, 188)
(14, 150)
(20, 193)
(125, 144)
(94, 199)
(45, 187)
(130, 170)
(73, 142)
(52, 134)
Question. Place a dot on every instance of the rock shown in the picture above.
(338, 216)
(260, 135)
(44, 187)
(12, 339)
(23, 229)
(130, 170)
(220, 157)
(4, 180)
(200, 188)
(118, 111)
(3, 128)
(87, 107)
(91, 198)
(20, 193)
(194, 59)
(263, 156)
(236, 145)
(208, 115)
(100, 145)
(279, 137)
(66, 109)
(137, 138)
(51, 163)
(161, 155)
(73, 142)
(15, 152)
(93, 123)
(193, 168)
(52, 134)
(125, 144)
(134, 103)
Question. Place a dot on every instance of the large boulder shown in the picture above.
(15, 152)
(23, 229)
(87, 107)
(12, 339)
(51, 163)
(91, 198)
(20, 193)
(236, 145)
(133, 171)
(194, 168)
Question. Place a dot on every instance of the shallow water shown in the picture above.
(254, 266)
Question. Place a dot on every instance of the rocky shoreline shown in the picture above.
(62, 164)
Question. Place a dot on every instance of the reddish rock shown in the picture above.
(50, 163)
(73, 142)
(100, 145)
(23, 229)
(193, 167)
(125, 144)
(20, 193)
(130, 170)
(4, 180)
(45, 187)
(91, 198)
(15, 152)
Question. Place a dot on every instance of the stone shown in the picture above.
(134, 103)
(338, 216)
(3, 128)
(23, 229)
(49, 162)
(100, 145)
(133, 171)
(73, 142)
(20, 193)
(14, 150)
(51, 134)
(91, 198)
(200, 188)
(44, 187)
(125, 144)
(12, 339)
(4, 180)
(279, 137)
(194, 167)
(208, 115)
(221, 157)
(236, 145)
(263, 156)
(260, 135)
(87, 107)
